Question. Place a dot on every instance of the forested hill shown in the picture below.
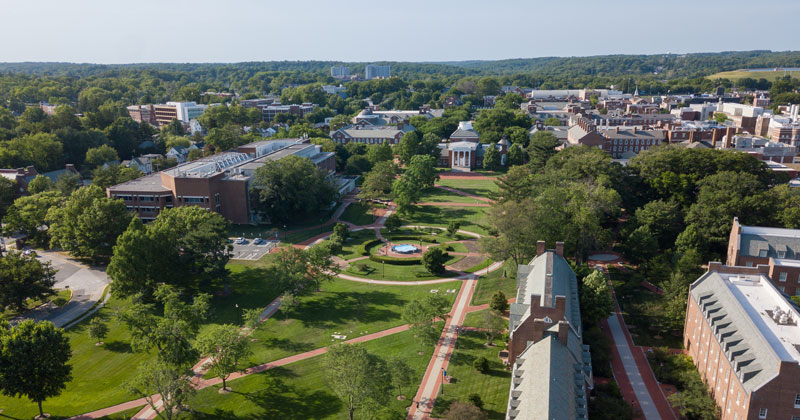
(664, 66)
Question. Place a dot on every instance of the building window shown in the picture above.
(749, 264)
(762, 252)
(797, 401)
(762, 413)
(781, 254)
(782, 276)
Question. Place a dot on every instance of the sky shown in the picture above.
(116, 31)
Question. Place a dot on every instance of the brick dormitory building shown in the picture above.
(219, 183)
(551, 367)
(742, 329)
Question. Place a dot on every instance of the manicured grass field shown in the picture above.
(457, 247)
(481, 266)
(375, 271)
(477, 186)
(357, 214)
(738, 74)
(342, 307)
(472, 219)
(251, 231)
(494, 281)
(474, 319)
(492, 386)
(438, 195)
(100, 372)
(297, 237)
(300, 390)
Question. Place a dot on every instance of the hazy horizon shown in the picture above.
(202, 31)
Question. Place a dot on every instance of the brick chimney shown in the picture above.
(716, 134)
(714, 266)
(540, 248)
(691, 136)
(560, 249)
(563, 332)
(616, 129)
(635, 130)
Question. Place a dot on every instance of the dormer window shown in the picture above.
(762, 252)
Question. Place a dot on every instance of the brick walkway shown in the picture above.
(432, 381)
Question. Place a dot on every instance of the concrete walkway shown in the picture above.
(432, 381)
(632, 370)
(86, 283)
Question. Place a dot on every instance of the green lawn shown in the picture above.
(99, 372)
(297, 237)
(480, 266)
(643, 311)
(357, 214)
(438, 195)
(458, 247)
(494, 281)
(738, 74)
(477, 186)
(350, 248)
(492, 387)
(379, 271)
(472, 219)
(59, 299)
(251, 231)
(300, 391)
(341, 307)
(474, 319)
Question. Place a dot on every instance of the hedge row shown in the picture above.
(363, 249)
(395, 260)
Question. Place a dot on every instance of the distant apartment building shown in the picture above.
(744, 116)
(743, 336)
(220, 183)
(162, 114)
(372, 71)
(753, 245)
(786, 128)
(619, 143)
(582, 94)
(764, 149)
(368, 135)
(143, 114)
(270, 111)
(340, 72)
(258, 103)
(551, 367)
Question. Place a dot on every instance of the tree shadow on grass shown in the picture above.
(336, 308)
(118, 346)
(280, 400)
(288, 345)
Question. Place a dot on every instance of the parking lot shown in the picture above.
(251, 251)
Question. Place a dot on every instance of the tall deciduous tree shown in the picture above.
(110, 175)
(226, 347)
(491, 159)
(357, 377)
(596, 301)
(27, 216)
(433, 260)
(291, 188)
(171, 331)
(493, 324)
(23, 277)
(88, 224)
(41, 184)
(97, 156)
(378, 182)
(541, 148)
(166, 388)
(184, 246)
(33, 361)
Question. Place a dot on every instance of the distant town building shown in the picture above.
(220, 183)
(340, 72)
(742, 334)
(464, 152)
(270, 111)
(143, 114)
(372, 71)
(551, 367)
(258, 103)
(162, 114)
(23, 176)
(368, 135)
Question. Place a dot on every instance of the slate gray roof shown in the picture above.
(754, 239)
(750, 344)
(371, 133)
(459, 133)
(534, 279)
(547, 383)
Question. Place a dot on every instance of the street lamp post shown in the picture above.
(444, 373)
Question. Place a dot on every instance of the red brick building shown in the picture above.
(551, 367)
(219, 183)
(743, 336)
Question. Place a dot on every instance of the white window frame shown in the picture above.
(762, 413)
(782, 276)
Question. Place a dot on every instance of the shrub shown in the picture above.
(363, 249)
(434, 259)
(394, 260)
(481, 364)
(393, 222)
(499, 302)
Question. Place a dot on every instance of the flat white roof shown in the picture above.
(757, 296)
(771, 231)
(787, 262)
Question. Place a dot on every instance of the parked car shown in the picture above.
(241, 241)
(258, 241)
(29, 252)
